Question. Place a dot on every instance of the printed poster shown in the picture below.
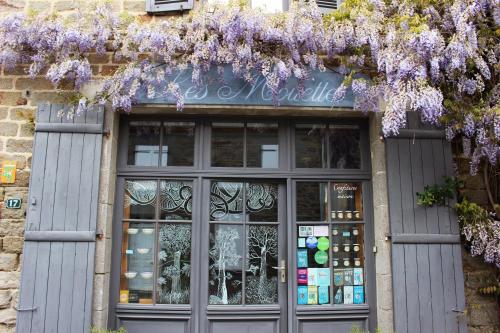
(312, 276)
(302, 276)
(359, 295)
(305, 230)
(312, 295)
(338, 277)
(358, 276)
(302, 295)
(348, 277)
(301, 242)
(324, 276)
(323, 295)
(320, 230)
(8, 175)
(302, 258)
(348, 295)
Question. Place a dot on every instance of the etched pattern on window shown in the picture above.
(175, 200)
(140, 199)
(226, 201)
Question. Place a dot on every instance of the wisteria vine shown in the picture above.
(438, 58)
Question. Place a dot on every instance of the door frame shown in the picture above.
(286, 174)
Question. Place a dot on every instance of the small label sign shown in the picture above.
(13, 203)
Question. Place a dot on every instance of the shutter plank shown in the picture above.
(424, 288)
(412, 289)
(429, 179)
(440, 172)
(437, 290)
(448, 277)
(27, 288)
(459, 279)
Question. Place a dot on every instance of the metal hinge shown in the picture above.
(25, 309)
(374, 249)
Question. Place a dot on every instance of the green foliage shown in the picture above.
(438, 194)
(100, 330)
(356, 329)
(471, 213)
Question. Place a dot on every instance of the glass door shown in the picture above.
(245, 256)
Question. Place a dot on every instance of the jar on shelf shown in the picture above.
(356, 214)
(356, 247)
(335, 231)
(347, 247)
(348, 214)
(355, 231)
(340, 214)
(335, 262)
(347, 262)
(335, 247)
(357, 262)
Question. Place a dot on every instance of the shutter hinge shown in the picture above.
(25, 309)
(99, 235)
(374, 249)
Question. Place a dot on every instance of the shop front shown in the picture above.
(241, 223)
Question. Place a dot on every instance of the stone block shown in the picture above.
(12, 228)
(22, 113)
(108, 70)
(38, 6)
(6, 83)
(20, 160)
(95, 58)
(135, 6)
(8, 129)
(34, 84)
(8, 261)
(9, 280)
(8, 316)
(19, 145)
(11, 98)
(64, 5)
(27, 130)
(5, 298)
(13, 244)
(4, 112)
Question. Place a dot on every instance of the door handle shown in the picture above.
(282, 270)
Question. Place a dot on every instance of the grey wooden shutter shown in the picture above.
(58, 258)
(428, 285)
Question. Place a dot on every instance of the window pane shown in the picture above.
(310, 148)
(344, 147)
(140, 199)
(347, 201)
(176, 200)
(136, 279)
(227, 144)
(226, 201)
(144, 143)
(225, 264)
(178, 144)
(348, 263)
(312, 202)
(174, 263)
(262, 145)
(261, 278)
(262, 202)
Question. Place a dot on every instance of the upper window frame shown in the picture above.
(286, 141)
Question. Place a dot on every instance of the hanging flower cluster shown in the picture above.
(481, 229)
(439, 58)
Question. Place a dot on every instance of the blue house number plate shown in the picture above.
(13, 203)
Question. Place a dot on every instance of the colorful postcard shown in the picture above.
(359, 295)
(324, 276)
(358, 276)
(320, 230)
(338, 299)
(323, 295)
(312, 276)
(301, 242)
(312, 295)
(302, 295)
(338, 277)
(348, 295)
(305, 230)
(348, 277)
(302, 276)
(302, 258)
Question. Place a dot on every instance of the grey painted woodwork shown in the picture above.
(427, 271)
(58, 268)
(283, 317)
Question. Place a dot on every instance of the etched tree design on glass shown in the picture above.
(140, 199)
(174, 263)
(262, 282)
(224, 286)
(226, 201)
(176, 200)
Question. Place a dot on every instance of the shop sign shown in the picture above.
(228, 90)
(13, 203)
(8, 175)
